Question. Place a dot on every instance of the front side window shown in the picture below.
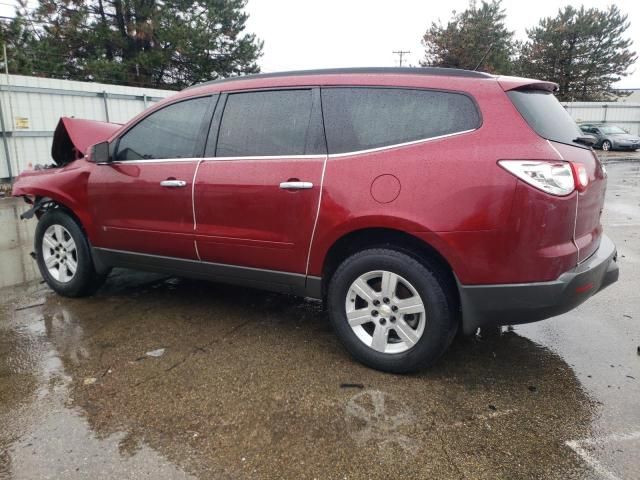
(171, 132)
(358, 118)
(268, 123)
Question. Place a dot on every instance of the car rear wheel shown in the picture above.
(63, 256)
(390, 311)
(606, 145)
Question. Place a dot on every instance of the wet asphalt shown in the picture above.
(160, 377)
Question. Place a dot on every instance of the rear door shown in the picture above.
(258, 188)
(142, 200)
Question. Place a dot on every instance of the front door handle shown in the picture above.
(173, 183)
(296, 185)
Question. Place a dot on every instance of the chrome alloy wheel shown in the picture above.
(59, 253)
(385, 312)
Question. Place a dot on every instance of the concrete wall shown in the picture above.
(32, 106)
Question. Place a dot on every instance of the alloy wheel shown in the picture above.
(385, 311)
(59, 253)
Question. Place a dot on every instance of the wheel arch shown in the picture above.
(44, 201)
(42, 197)
(381, 237)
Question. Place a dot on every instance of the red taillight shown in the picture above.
(551, 176)
(580, 176)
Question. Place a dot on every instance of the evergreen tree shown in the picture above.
(583, 50)
(476, 37)
(151, 43)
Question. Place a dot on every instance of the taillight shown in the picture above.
(554, 177)
(580, 176)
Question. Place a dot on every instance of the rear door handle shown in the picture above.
(296, 185)
(173, 183)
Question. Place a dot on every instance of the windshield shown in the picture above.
(611, 129)
(546, 116)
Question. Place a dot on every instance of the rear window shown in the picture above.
(359, 118)
(546, 116)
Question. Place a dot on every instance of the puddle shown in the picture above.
(43, 434)
(248, 384)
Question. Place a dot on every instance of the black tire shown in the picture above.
(606, 145)
(435, 293)
(85, 281)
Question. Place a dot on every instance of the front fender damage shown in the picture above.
(37, 207)
(64, 187)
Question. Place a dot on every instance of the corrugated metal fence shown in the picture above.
(626, 115)
(32, 106)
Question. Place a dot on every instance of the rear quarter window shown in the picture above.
(360, 118)
(544, 114)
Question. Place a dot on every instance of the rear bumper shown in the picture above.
(511, 304)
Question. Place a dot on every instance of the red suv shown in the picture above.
(414, 202)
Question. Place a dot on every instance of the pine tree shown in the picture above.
(583, 50)
(476, 37)
(152, 43)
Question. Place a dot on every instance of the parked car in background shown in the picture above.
(611, 137)
(413, 202)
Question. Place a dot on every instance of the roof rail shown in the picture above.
(450, 72)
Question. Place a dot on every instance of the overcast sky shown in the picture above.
(301, 34)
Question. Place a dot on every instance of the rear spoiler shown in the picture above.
(519, 83)
(73, 137)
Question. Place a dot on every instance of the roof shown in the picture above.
(447, 72)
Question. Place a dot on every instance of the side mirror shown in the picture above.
(588, 140)
(100, 153)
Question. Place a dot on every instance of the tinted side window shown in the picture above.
(265, 123)
(544, 113)
(363, 118)
(171, 132)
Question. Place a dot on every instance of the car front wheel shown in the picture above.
(391, 312)
(63, 255)
(606, 145)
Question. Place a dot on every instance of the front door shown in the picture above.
(258, 188)
(142, 200)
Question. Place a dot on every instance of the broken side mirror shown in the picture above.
(100, 153)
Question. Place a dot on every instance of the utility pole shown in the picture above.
(401, 53)
(2, 126)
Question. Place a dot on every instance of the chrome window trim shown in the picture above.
(398, 145)
(266, 157)
(293, 157)
(345, 154)
(154, 160)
